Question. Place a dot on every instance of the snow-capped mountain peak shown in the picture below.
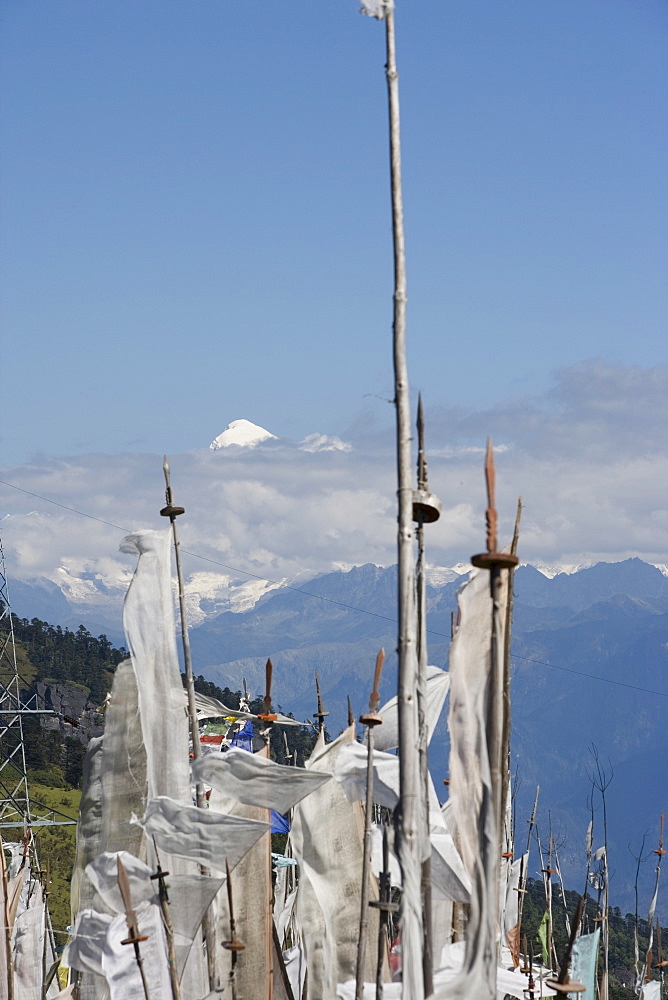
(242, 433)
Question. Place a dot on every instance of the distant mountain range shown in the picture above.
(589, 667)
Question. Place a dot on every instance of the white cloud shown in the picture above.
(323, 442)
(589, 459)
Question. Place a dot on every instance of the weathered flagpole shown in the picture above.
(371, 719)
(134, 937)
(410, 806)
(505, 745)
(172, 512)
(495, 562)
(426, 510)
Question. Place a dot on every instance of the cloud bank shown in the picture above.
(589, 459)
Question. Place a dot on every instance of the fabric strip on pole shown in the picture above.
(114, 787)
(190, 895)
(119, 964)
(103, 875)
(204, 836)
(583, 963)
(252, 893)
(511, 908)
(327, 842)
(471, 792)
(89, 827)
(28, 943)
(450, 880)
(84, 950)
(123, 778)
(256, 780)
(350, 772)
(148, 619)
(438, 684)
(211, 708)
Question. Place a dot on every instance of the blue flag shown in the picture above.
(244, 738)
(279, 824)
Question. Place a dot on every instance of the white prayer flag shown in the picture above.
(203, 835)
(386, 736)
(119, 964)
(84, 951)
(255, 780)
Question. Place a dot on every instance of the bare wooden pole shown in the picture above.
(234, 945)
(505, 744)
(410, 808)
(172, 512)
(268, 717)
(9, 963)
(426, 509)
(321, 714)
(134, 937)
(522, 886)
(163, 897)
(370, 720)
(495, 562)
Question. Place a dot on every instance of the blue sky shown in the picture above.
(196, 211)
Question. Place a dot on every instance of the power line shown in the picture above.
(591, 677)
(330, 600)
(215, 562)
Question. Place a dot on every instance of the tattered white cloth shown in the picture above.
(511, 909)
(211, 708)
(144, 751)
(350, 771)
(190, 897)
(148, 620)
(326, 838)
(256, 780)
(202, 835)
(377, 8)
(450, 879)
(103, 874)
(471, 792)
(508, 983)
(386, 736)
(651, 991)
(84, 950)
(30, 945)
(119, 964)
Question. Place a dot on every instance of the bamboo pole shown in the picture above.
(426, 509)
(410, 808)
(385, 907)
(522, 887)
(495, 717)
(234, 945)
(172, 512)
(8, 929)
(505, 746)
(45, 928)
(134, 937)
(371, 719)
(163, 897)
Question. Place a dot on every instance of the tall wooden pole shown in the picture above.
(426, 509)
(505, 745)
(9, 956)
(495, 562)
(410, 808)
(371, 719)
(172, 512)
